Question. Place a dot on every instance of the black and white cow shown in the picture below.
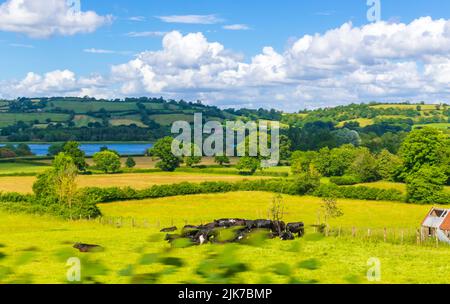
(296, 228)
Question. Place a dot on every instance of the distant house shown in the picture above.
(437, 224)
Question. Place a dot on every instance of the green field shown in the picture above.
(40, 246)
(84, 120)
(168, 119)
(127, 121)
(440, 126)
(84, 107)
(8, 119)
(17, 168)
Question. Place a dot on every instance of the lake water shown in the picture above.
(91, 148)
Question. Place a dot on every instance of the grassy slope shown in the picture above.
(341, 259)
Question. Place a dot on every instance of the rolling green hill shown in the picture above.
(136, 119)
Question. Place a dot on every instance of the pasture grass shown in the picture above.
(310, 260)
(23, 184)
(17, 168)
(8, 119)
(363, 122)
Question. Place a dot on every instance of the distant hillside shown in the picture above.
(89, 119)
(147, 119)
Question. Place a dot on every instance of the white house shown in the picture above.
(437, 223)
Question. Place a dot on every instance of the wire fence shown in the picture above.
(399, 236)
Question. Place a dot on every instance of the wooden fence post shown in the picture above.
(418, 238)
(385, 234)
(368, 233)
(353, 232)
(402, 236)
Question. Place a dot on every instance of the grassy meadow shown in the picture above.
(37, 247)
(24, 184)
(41, 244)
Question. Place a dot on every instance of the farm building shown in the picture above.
(437, 224)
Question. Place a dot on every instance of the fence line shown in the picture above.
(400, 236)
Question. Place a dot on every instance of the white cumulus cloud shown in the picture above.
(44, 18)
(380, 61)
(191, 19)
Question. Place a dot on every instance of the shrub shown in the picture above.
(426, 185)
(359, 192)
(248, 165)
(107, 161)
(130, 162)
(346, 180)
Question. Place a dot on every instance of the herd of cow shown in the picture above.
(241, 230)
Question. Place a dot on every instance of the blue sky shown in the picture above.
(107, 41)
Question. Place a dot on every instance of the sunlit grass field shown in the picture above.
(392, 185)
(333, 259)
(15, 168)
(24, 184)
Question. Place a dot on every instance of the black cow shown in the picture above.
(287, 236)
(261, 224)
(296, 228)
(170, 229)
(204, 236)
(278, 227)
(227, 223)
(172, 237)
(88, 247)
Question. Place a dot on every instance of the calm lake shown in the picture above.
(91, 148)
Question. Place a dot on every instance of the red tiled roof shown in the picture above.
(446, 223)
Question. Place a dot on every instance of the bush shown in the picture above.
(426, 185)
(130, 163)
(13, 197)
(359, 192)
(346, 180)
(82, 207)
(107, 161)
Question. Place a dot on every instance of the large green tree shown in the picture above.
(72, 149)
(107, 161)
(163, 150)
(427, 146)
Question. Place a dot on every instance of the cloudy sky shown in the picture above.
(285, 54)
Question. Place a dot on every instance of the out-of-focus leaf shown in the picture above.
(154, 238)
(4, 271)
(311, 264)
(353, 279)
(127, 271)
(2, 255)
(24, 258)
(281, 269)
(149, 258)
(172, 261)
(64, 254)
(146, 278)
(33, 249)
(313, 237)
(257, 238)
(181, 243)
